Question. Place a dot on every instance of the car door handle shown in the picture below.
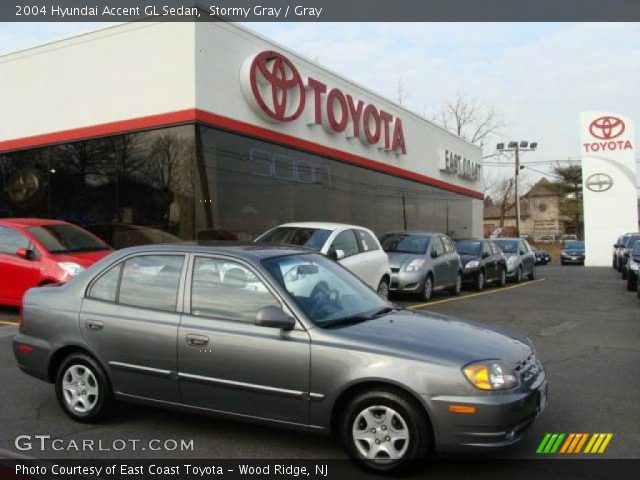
(197, 340)
(94, 325)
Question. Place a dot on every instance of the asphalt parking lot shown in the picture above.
(585, 325)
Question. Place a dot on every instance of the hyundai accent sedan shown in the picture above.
(281, 336)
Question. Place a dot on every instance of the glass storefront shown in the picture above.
(196, 182)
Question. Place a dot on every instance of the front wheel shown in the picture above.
(624, 273)
(383, 288)
(384, 431)
(457, 287)
(82, 388)
(518, 276)
(532, 274)
(503, 277)
(480, 281)
(427, 289)
(631, 284)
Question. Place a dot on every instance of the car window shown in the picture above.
(346, 241)
(106, 287)
(436, 246)
(227, 290)
(448, 244)
(11, 240)
(303, 236)
(366, 242)
(526, 246)
(151, 281)
(486, 249)
(63, 238)
(494, 248)
(405, 243)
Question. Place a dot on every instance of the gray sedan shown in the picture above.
(282, 336)
(521, 259)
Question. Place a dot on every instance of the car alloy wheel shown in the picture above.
(457, 287)
(427, 290)
(383, 288)
(532, 275)
(480, 281)
(503, 277)
(82, 388)
(380, 434)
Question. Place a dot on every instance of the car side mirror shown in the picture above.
(485, 255)
(25, 253)
(521, 252)
(274, 317)
(434, 254)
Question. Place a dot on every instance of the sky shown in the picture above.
(537, 76)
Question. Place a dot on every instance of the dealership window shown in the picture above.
(151, 281)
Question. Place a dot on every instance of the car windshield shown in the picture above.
(405, 243)
(329, 295)
(469, 247)
(636, 248)
(301, 236)
(633, 240)
(574, 245)
(63, 238)
(508, 246)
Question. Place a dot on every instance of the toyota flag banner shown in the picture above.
(608, 182)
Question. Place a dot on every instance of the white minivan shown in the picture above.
(354, 247)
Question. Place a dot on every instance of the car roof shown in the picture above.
(508, 238)
(232, 248)
(415, 232)
(320, 225)
(30, 222)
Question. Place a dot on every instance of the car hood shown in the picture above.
(436, 338)
(468, 258)
(84, 259)
(398, 260)
(573, 252)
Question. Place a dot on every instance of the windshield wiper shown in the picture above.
(355, 319)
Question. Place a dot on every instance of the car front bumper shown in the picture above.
(470, 275)
(500, 419)
(409, 282)
(575, 260)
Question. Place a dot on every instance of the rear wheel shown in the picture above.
(457, 287)
(384, 431)
(383, 288)
(82, 388)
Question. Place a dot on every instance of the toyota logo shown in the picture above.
(599, 182)
(276, 86)
(607, 127)
(23, 186)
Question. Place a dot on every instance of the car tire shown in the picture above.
(532, 274)
(479, 286)
(383, 288)
(391, 415)
(503, 277)
(638, 285)
(562, 263)
(427, 288)
(457, 287)
(623, 274)
(631, 284)
(83, 389)
(518, 276)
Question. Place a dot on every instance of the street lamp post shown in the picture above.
(517, 147)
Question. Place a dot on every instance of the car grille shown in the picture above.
(394, 270)
(528, 369)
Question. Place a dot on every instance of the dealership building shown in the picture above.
(209, 131)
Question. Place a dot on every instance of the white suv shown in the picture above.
(354, 247)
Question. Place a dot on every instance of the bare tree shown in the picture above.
(469, 120)
(402, 92)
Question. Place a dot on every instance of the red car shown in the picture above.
(36, 252)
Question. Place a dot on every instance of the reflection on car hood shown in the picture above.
(397, 260)
(436, 337)
(468, 258)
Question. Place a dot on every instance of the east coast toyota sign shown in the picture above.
(276, 91)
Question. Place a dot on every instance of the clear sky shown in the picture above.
(538, 76)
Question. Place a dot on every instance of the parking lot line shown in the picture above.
(2, 322)
(488, 292)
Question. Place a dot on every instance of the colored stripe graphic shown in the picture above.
(572, 443)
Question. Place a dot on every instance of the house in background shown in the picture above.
(539, 214)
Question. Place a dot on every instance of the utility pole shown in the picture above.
(516, 190)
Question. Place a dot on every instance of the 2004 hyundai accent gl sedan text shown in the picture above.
(278, 335)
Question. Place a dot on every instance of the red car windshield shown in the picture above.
(67, 239)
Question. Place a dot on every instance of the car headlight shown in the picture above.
(490, 375)
(472, 264)
(633, 265)
(563, 254)
(415, 265)
(71, 268)
(512, 260)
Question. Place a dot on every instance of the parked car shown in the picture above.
(625, 253)
(354, 247)
(619, 249)
(156, 325)
(123, 235)
(521, 260)
(548, 239)
(542, 256)
(37, 252)
(569, 238)
(616, 247)
(573, 253)
(422, 262)
(632, 268)
(483, 262)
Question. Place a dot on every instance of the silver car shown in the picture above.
(282, 336)
(521, 259)
(422, 262)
